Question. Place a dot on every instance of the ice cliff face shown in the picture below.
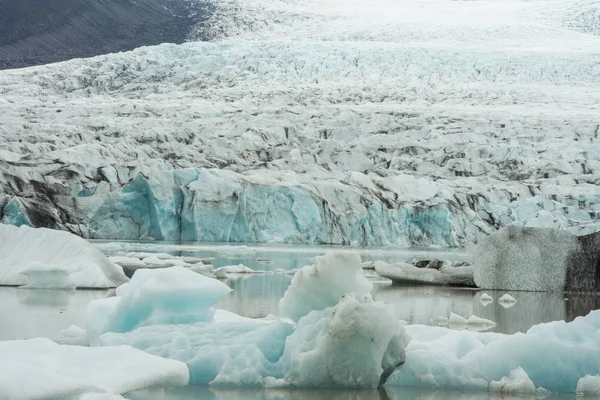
(321, 122)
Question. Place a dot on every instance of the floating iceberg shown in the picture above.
(356, 343)
(322, 285)
(164, 296)
(537, 259)
(447, 274)
(589, 385)
(223, 272)
(553, 356)
(41, 369)
(347, 340)
(46, 258)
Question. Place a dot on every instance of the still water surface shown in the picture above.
(26, 313)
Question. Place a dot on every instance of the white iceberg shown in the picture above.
(456, 319)
(477, 321)
(407, 273)
(53, 258)
(322, 285)
(356, 343)
(589, 385)
(41, 369)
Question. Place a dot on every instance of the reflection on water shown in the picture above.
(255, 296)
(269, 257)
(389, 393)
(421, 304)
(27, 313)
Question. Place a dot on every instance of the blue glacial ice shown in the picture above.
(354, 340)
(553, 356)
(351, 342)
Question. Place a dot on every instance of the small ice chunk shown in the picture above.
(292, 271)
(475, 320)
(42, 276)
(127, 261)
(516, 382)
(486, 297)
(222, 272)
(456, 319)
(154, 261)
(74, 335)
(507, 298)
(320, 286)
(589, 385)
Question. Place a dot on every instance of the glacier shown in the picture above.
(410, 123)
(49, 259)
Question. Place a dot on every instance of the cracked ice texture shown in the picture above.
(409, 123)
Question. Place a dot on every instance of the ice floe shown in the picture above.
(41, 369)
(46, 258)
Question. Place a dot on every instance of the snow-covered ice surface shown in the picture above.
(395, 122)
(41, 369)
(44, 258)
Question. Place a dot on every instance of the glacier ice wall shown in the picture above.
(335, 123)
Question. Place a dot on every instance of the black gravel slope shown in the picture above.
(43, 31)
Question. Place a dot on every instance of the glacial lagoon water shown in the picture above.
(27, 313)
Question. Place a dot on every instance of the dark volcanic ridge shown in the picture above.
(37, 32)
